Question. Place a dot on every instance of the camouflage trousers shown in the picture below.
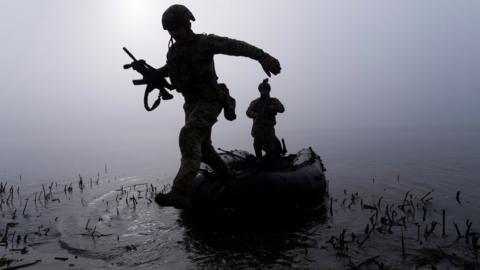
(264, 138)
(196, 144)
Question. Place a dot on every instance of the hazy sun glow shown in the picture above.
(134, 14)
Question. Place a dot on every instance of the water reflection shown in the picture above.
(226, 240)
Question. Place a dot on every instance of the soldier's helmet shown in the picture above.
(175, 16)
(264, 85)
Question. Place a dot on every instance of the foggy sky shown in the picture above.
(346, 65)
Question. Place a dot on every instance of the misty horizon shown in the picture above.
(348, 66)
(375, 65)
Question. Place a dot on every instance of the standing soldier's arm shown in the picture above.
(251, 110)
(228, 46)
(277, 106)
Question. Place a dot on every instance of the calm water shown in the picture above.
(363, 167)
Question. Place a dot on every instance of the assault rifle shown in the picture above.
(151, 78)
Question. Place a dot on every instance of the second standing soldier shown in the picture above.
(263, 111)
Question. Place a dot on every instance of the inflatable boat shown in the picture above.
(293, 182)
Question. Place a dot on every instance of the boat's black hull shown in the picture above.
(297, 185)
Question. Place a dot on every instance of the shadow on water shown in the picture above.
(259, 240)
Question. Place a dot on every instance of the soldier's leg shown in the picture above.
(257, 146)
(272, 143)
(199, 122)
(258, 140)
(190, 141)
(278, 146)
(190, 148)
(211, 157)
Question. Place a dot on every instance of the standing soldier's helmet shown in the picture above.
(175, 16)
(264, 85)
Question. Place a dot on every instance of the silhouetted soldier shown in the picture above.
(191, 70)
(263, 111)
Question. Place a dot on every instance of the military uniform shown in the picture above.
(263, 111)
(191, 70)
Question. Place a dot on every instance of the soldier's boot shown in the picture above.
(224, 173)
(175, 198)
(179, 195)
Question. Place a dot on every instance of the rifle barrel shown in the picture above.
(129, 54)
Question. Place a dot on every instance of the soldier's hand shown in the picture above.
(138, 65)
(270, 65)
(159, 79)
(272, 109)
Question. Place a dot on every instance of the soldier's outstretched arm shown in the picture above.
(229, 46)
